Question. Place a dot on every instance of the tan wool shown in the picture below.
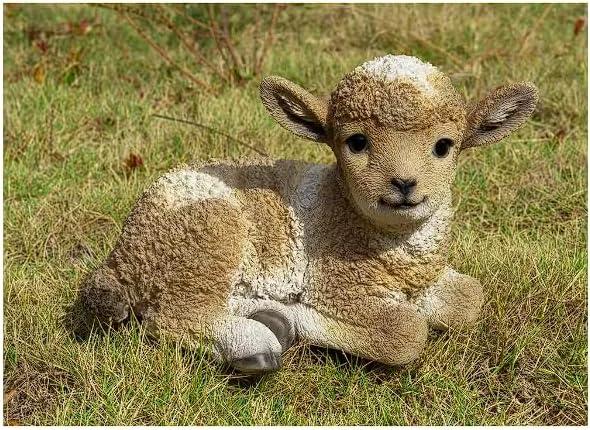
(244, 257)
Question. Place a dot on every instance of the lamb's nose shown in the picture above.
(405, 186)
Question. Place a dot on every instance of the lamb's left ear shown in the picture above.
(501, 112)
(295, 108)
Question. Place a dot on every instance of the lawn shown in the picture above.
(81, 86)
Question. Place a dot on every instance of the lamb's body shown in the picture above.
(205, 243)
(352, 255)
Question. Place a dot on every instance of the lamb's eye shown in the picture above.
(442, 147)
(357, 143)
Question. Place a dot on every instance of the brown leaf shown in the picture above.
(42, 45)
(33, 33)
(133, 161)
(579, 25)
(39, 73)
(560, 134)
(83, 27)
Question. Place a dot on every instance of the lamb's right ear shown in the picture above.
(294, 108)
(501, 112)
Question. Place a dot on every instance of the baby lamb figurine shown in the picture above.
(242, 258)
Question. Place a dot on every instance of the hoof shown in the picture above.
(278, 324)
(257, 363)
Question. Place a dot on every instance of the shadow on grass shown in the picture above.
(377, 372)
(81, 326)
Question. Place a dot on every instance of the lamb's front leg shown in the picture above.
(453, 301)
(369, 327)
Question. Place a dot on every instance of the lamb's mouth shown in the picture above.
(404, 204)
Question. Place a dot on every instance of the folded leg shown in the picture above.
(275, 315)
(247, 345)
(243, 343)
(453, 301)
(372, 328)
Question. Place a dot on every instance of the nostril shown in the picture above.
(404, 185)
(411, 183)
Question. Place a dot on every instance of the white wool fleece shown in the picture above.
(391, 67)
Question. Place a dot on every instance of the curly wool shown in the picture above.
(402, 98)
(391, 67)
(243, 256)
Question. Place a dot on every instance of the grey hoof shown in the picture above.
(257, 363)
(278, 324)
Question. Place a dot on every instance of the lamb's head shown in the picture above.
(397, 126)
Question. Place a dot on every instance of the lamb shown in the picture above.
(241, 258)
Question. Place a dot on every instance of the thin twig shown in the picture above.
(231, 66)
(255, 34)
(533, 29)
(166, 57)
(214, 32)
(226, 37)
(193, 21)
(123, 9)
(185, 41)
(163, 20)
(212, 130)
(268, 40)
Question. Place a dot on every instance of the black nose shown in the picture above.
(405, 186)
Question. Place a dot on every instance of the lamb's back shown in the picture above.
(241, 216)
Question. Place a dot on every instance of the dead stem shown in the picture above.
(212, 130)
(268, 40)
(168, 59)
(533, 30)
(185, 41)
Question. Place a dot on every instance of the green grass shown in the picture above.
(520, 224)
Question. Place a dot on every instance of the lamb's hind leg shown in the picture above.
(247, 345)
(273, 314)
(243, 343)
(252, 334)
(105, 297)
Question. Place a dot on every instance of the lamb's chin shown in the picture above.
(400, 219)
(391, 218)
(413, 214)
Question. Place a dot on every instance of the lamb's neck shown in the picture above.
(432, 234)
